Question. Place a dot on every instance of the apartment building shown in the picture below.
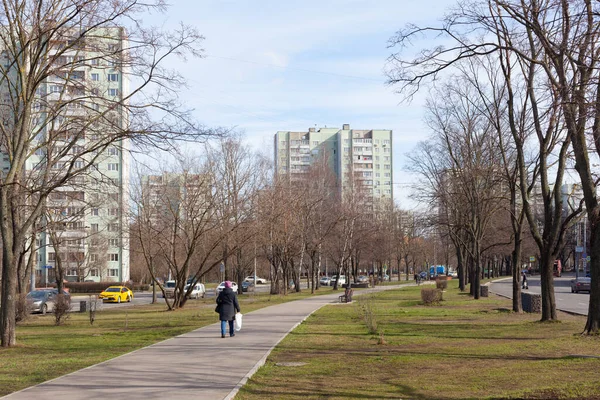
(77, 109)
(175, 195)
(360, 159)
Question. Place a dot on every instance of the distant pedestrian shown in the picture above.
(525, 286)
(227, 304)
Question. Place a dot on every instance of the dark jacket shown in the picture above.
(228, 305)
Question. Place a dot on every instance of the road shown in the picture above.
(565, 300)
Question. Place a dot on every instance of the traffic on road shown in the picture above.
(566, 299)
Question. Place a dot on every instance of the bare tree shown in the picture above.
(238, 178)
(506, 31)
(57, 119)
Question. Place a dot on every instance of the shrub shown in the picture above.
(430, 296)
(62, 306)
(365, 309)
(23, 307)
(93, 306)
(441, 282)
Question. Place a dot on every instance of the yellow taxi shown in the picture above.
(116, 294)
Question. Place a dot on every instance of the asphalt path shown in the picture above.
(577, 303)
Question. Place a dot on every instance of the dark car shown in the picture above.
(247, 286)
(43, 300)
(423, 275)
(581, 284)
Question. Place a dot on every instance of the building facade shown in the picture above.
(360, 159)
(78, 112)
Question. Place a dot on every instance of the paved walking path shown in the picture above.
(196, 365)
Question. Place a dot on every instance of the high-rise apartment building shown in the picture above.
(359, 158)
(78, 111)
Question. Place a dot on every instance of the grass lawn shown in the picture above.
(45, 351)
(460, 349)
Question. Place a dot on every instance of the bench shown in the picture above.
(347, 296)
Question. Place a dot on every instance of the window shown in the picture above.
(386, 158)
(56, 88)
(113, 92)
(95, 91)
(113, 77)
(113, 47)
(95, 212)
(387, 175)
(113, 212)
(51, 257)
(78, 164)
(113, 166)
(377, 166)
(94, 61)
(72, 272)
(94, 227)
(93, 257)
(113, 242)
(113, 227)
(95, 77)
(377, 175)
(94, 272)
(315, 142)
(113, 151)
(387, 166)
(113, 257)
(113, 272)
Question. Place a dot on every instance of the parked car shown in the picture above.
(581, 284)
(221, 286)
(324, 281)
(362, 279)
(116, 294)
(197, 291)
(259, 281)
(423, 275)
(169, 288)
(247, 286)
(43, 300)
(386, 277)
(342, 280)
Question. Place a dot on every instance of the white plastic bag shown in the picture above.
(238, 321)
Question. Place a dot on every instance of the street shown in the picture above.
(565, 300)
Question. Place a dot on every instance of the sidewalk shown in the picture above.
(199, 364)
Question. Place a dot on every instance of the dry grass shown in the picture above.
(461, 349)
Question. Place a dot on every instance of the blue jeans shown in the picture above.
(224, 326)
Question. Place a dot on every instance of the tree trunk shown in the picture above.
(547, 283)
(516, 275)
(592, 325)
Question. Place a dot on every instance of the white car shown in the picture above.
(324, 281)
(197, 291)
(221, 286)
(342, 280)
(259, 281)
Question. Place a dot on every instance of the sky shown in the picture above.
(291, 65)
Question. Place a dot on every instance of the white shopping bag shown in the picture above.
(238, 321)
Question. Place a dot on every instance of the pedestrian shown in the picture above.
(525, 286)
(227, 304)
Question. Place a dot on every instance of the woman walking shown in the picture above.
(227, 304)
